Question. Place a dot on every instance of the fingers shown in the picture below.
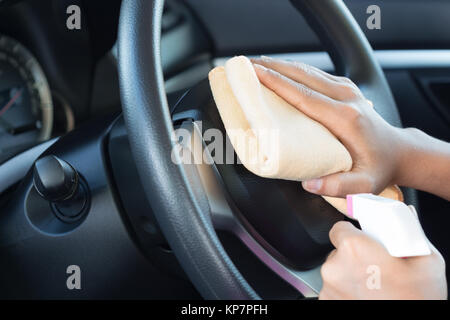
(331, 255)
(268, 60)
(311, 77)
(344, 234)
(340, 184)
(312, 103)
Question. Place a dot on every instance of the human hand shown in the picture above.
(361, 268)
(374, 145)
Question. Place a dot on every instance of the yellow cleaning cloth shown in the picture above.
(272, 138)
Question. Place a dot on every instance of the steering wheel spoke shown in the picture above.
(202, 174)
(308, 283)
(202, 171)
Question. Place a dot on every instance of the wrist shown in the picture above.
(408, 156)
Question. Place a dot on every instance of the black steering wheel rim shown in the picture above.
(182, 209)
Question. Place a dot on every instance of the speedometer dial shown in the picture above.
(26, 109)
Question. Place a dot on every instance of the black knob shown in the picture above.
(54, 179)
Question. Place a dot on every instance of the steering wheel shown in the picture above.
(190, 201)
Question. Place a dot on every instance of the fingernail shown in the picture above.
(266, 58)
(312, 185)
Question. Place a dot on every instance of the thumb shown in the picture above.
(340, 184)
(344, 230)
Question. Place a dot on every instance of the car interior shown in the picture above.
(101, 101)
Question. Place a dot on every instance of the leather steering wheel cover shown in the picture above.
(180, 214)
(180, 211)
